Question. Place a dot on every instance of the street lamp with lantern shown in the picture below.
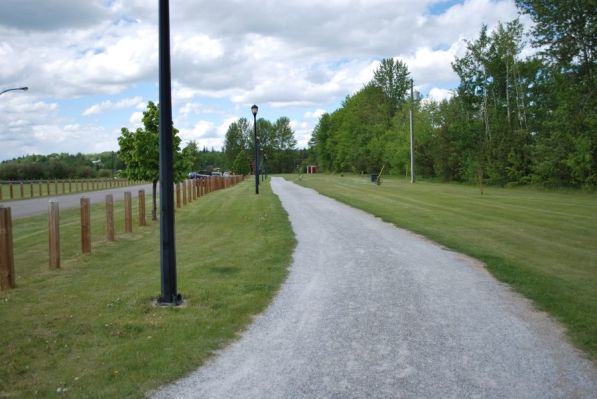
(254, 110)
(16, 88)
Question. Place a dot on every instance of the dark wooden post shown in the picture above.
(22, 189)
(54, 234)
(142, 208)
(85, 226)
(128, 212)
(31, 189)
(12, 195)
(39, 187)
(7, 266)
(109, 217)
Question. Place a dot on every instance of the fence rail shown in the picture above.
(20, 189)
(189, 190)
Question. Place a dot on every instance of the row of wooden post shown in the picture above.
(186, 191)
(190, 190)
(54, 223)
(86, 185)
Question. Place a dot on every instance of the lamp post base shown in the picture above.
(175, 301)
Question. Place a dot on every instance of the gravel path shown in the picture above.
(37, 206)
(373, 311)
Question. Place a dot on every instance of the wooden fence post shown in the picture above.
(85, 226)
(39, 187)
(11, 190)
(142, 208)
(22, 190)
(54, 234)
(128, 212)
(184, 192)
(7, 266)
(1, 191)
(48, 184)
(190, 190)
(178, 195)
(109, 217)
(63, 187)
(31, 189)
(56, 186)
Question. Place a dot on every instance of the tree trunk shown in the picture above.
(154, 207)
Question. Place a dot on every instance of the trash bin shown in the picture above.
(374, 178)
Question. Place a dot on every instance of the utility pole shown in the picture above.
(412, 134)
(169, 294)
(254, 110)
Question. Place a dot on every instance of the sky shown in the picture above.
(91, 66)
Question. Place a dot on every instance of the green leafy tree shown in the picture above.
(242, 163)
(237, 139)
(139, 150)
(393, 78)
(190, 157)
(564, 102)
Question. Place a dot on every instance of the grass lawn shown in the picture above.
(544, 244)
(90, 329)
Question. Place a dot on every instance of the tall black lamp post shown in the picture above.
(169, 294)
(254, 110)
(16, 88)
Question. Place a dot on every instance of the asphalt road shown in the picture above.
(373, 311)
(38, 206)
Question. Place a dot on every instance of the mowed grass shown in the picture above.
(90, 330)
(544, 244)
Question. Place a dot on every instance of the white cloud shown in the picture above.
(438, 94)
(314, 114)
(108, 105)
(136, 119)
(287, 56)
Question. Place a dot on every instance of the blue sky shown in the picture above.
(91, 66)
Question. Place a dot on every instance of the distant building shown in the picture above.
(311, 169)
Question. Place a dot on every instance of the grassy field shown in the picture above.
(91, 330)
(544, 244)
(53, 187)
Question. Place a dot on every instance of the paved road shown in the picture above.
(38, 206)
(373, 311)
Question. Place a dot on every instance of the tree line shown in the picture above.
(512, 120)
(61, 166)
(276, 146)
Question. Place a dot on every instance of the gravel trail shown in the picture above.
(373, 311)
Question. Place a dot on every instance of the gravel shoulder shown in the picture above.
(371, 310)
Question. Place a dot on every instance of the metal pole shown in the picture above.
(412, 135)
(256, 155)
(16, 88)
(169, 294)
